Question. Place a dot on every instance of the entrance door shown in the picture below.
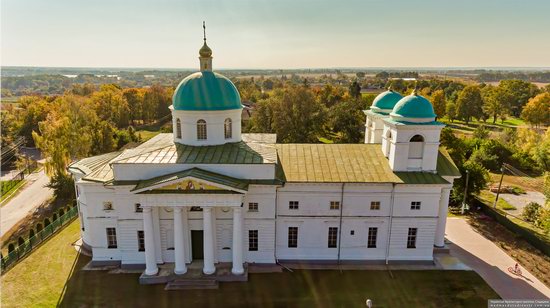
(197, 244)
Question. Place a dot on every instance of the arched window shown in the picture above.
(416, 146)
(178, 128)
(201, 129)
(228, 129)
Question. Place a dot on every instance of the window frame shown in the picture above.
(228, 128)
(253, 240)
(416, 205)
(141, 240)
(292, 237)
(332, 241)
(138, 208)
(334, 205)
(253, 206)
(178, 128)
(372, 237)
(202, 131)
(112, 242)
(411, 238)
(293, 205)
(375, 205)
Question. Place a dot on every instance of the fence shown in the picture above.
(6, 186)
(25, 248)
(529, 235)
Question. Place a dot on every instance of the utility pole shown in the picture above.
(499, 184)
(463, 208)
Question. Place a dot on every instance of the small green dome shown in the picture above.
(206, 91)
(386, 100)
(413, 106)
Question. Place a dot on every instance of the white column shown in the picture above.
(179, 248)
(208, 242)
(442, 219)
(150, 258)
(237, 241)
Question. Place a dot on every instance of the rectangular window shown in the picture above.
(334, 205)
(415, 205)
(375, 205)
(138, 208)
(411, 238)
(111, 238)
(293, 205)
(292, 237)
(141, 240)
(252, 240)
(332, 237)
(107, 206)
(253, 206)
(371, 241)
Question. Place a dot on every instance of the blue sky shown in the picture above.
(276, 34)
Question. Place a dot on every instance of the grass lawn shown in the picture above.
(8, 194)
(51, 276)
(489, 198)
(147, 134)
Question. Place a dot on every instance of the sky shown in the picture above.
(284, 34)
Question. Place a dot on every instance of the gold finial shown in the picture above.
(205, 51)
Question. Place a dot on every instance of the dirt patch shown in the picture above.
(536, 262)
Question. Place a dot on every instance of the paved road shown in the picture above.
(492, 263)
(29, 198)
(521, 200)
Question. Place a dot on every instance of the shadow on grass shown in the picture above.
(302, 288)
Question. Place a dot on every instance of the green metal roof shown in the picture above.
(445, 164)
(241, 185)
(206, 91)
(413, 106)
(386, 100)
(347, 163)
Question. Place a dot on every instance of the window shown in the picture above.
(201, 129)
(141, 240)
(138, 208)
(292, 237)
(252, 240)
(375, 205)
(416, 146)
(178, 128)
(195, 209)
(352, 232)
(415, 205)
(411, 238)
(371, 241)
(107, 206)
(334, 205)
(293, 205)
(332, 237)
(227, 129)
(253, 206)
(111, 238)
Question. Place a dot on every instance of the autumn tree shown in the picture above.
(439, 103)
(537, 110)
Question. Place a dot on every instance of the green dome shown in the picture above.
(413, 106)
(206, 91)
(386, 100)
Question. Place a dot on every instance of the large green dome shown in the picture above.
(206, 91)
(386, 100)
(413, 107)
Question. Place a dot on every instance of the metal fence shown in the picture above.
(25, 248)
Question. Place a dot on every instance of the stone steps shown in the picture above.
(191, 284)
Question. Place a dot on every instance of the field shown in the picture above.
(51, 276)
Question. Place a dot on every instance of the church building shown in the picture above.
(208, 193)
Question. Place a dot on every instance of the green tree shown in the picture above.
(439, 103)
(450, 110)
(111, 105)
(347, 120)
(469, 103)
(537, 110)
(520, 92)
(477, 181)
(496, 102)
(355, 90)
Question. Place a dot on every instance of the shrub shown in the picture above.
(531, 212)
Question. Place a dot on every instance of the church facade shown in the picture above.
(208, 192)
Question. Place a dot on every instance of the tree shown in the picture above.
(537, 110)
(355, 90)
(450, 111)
(111, 105)
(496, 102)
(347, 120)
(439, 103)
(469, 103)
(477, 180)
(520, 92)
(531, 212)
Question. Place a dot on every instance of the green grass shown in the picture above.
(489, 198)
(325, 140)
(8, 194)
(51, 275)
(147, 134)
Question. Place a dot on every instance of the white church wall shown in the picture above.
(215, 121)
(424, 242)
(266, 241)
(354, 246)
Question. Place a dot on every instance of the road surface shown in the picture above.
(32, 195)
(492, 263)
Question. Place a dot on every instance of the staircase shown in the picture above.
(192, 283)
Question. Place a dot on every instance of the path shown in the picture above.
(491, 263)
(521, 200)
(28, 199)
